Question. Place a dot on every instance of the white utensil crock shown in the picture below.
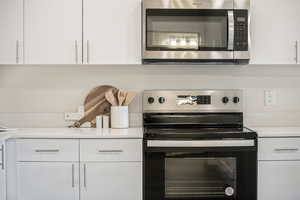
(119, 117)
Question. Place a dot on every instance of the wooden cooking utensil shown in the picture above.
(95, 104)
(121, 97)
(129, 98)
(110, 97)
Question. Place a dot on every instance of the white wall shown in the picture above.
(38, 96)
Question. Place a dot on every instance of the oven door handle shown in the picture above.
(201, 143)
(230, 30)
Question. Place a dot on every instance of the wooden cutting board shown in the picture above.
(95, 104)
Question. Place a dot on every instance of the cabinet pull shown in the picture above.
(286, 149)
(84, 175)
(111, 151)
(296, 50)
(88, 52)
(73, 184)
(17, 52)
(76, 51)
(47, 150)
(2, 154)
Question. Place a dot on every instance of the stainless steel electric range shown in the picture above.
(196, 146)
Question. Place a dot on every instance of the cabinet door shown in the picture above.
(111, 181)
(10, 34)
(47, 181)
(278, 180)
(112, 31)
(275, 29)
(2, 173)
(53, 31)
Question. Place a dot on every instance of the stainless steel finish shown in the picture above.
(241, 4)
(73, 181)
(188, 4)
(224, 55)
(241, 55)
(88, 52)
(200, 143)
(286, 149)
(230, 30)
(76, 52)
(84, 175)
(47, 150)
(111, 151)
(296, 52)
(171, 101)
(17, 52)
(2, 155)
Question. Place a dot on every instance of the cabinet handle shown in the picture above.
(2, 154)
(76, 51)
(17, 52)
(84, 175)
(287, 149)
(47, 150)
(73, 184)
(296, 50)
(111, 151)
(88, 52)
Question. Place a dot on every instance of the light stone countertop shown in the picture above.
(73, 133)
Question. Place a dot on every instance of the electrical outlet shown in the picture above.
(270, 97)
(75, 116)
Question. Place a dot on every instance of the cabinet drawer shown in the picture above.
(279, 148)
(110, 150)
(47, 150)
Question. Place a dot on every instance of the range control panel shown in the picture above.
(192, 100)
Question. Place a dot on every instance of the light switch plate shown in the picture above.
(270, 97)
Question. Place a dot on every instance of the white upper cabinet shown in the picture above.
(10, 34)
(112, 31)
(52, 31)
(275, 30)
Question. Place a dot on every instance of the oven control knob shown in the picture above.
(150, 100)
(161, 99)
(225, 99)
(229, 191)
(236, 99)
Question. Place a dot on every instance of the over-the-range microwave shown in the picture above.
(196, 31)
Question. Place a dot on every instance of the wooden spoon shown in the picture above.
(129, 98)
(121, 97)
(110, 97)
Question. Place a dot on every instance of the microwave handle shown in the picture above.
(230, 30)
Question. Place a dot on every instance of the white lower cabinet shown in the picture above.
(278, 168)
(2, 173)
(111, 181)
(47, 181)
(73, 169)
(279, 180)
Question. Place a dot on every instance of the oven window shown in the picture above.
(192, 30)
(200, 178)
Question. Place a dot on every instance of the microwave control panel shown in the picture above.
(241, 30)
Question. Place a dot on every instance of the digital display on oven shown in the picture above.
(193, 99)
(203, 99)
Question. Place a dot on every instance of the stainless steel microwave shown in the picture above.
(196, 31)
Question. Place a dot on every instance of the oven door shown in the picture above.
(188, 30)
(202, 170)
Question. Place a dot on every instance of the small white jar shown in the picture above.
(119, 117)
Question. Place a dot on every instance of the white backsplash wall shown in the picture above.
(38, 96)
